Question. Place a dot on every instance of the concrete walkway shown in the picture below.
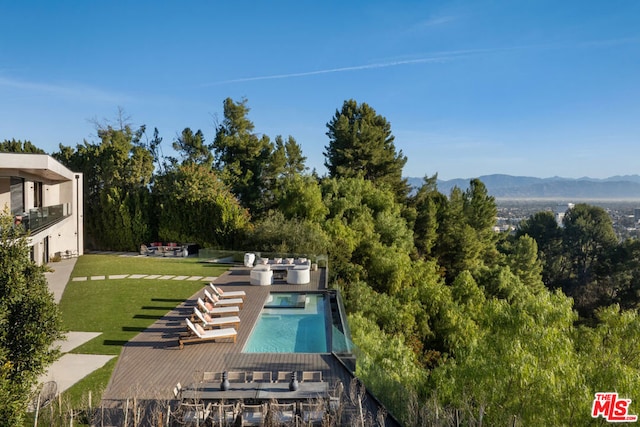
(59, 277)
(70, 368)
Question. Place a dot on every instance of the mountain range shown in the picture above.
(524, 187)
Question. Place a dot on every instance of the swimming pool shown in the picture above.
(290, 323)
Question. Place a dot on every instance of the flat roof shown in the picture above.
(34, 167)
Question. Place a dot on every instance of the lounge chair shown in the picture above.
(226, 294)
(216, 311)
(200, 335)
(222, 302)
(209, 322)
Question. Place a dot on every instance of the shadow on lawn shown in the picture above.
(166, 331)
(153, 344)
(166, 300)
(156, 307)
(148, 316)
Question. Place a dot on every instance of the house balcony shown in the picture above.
(40, 218)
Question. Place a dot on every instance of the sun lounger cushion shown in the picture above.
(200, 329)
(212, 298)
(229, 294)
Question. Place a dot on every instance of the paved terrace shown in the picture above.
(151, 364)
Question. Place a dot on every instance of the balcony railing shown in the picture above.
(39, 218)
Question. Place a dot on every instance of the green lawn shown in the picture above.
(100, 265)
(121, 308)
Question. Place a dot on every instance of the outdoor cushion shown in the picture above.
(200, 329)
(228, 294)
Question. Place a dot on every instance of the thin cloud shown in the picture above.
(612, 42)
(435, 21)
(66, 91)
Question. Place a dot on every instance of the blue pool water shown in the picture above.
(288, 328)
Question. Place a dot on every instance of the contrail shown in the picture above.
(436, 58)
(339, 70)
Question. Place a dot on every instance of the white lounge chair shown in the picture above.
(217, 302)
(216, 322)
(217, 311)
(200, 335)
(226, 294)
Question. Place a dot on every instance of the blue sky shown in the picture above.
(536, 88)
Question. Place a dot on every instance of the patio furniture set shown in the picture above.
(161, 249)
(253, 398)
(295, 271)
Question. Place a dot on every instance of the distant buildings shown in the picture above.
(561, 210)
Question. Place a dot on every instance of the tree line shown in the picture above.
(455, 323)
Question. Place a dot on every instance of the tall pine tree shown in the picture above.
(361, 145)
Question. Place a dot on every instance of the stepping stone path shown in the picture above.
(146, 277)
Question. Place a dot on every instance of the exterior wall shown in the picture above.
(60, 187)
(64, 238)
(5, 195)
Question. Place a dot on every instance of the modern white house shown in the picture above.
(46, 198)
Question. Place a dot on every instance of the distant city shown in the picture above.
(625, 215)
(523, 187)
(519, 197)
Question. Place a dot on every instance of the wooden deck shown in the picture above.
(151, 364)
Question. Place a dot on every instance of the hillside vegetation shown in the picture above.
(455, 323)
